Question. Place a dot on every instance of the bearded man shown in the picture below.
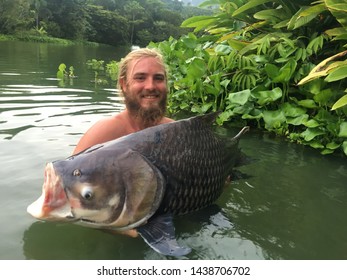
(142, 79)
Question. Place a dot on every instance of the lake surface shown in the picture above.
(293, 205)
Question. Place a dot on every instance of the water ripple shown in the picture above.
(24, 107)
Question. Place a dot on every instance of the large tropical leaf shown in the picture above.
(340, 103)
(343, 130)
(267, 96)
(313, 10)
(271, 15)
(199, 22)
(273, 119)
(249, 5)
(338, 8)
(208, 3)
(322, 68)
(337, 74)
(302, 17)
(240, 97)
(311, 133)
(339, 33)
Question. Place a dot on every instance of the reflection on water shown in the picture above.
(293, 205)
(288, 211)
(70, 242)
(28, 106)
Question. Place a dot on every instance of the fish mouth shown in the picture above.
(53, 204)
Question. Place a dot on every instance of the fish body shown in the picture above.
(140, 180)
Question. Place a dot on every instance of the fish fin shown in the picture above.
(210, 117)
(159, 233)
(238, 175)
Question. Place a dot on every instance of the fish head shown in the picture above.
(106, 190)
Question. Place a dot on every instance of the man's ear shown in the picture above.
(122, 83)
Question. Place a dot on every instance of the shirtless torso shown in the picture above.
(109, 129)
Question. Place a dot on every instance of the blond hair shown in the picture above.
(135, 55)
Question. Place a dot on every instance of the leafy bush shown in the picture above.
(263, 63)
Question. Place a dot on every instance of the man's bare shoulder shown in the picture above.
(110, 127)
(103, 130)
(166, 120)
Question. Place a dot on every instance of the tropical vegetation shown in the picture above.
(112, 22)
(276, 65)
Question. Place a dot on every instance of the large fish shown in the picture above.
(141, 180)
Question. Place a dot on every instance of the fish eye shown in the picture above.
(77, 173)
(87, 193)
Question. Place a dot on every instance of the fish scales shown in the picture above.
(196, 166)
(140, 180)
(201, 155)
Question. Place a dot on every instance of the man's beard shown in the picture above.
(149, 116)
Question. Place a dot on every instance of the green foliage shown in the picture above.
(70, 18)
(39, 31)
(333, 71)
(14, 16)
(276, 65)
(107, 27)
(65, 76)
(103, 75)
(118, 23)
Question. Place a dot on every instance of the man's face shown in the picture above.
(145, 90)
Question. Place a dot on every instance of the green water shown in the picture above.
(293, 205)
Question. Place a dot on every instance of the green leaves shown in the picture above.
(196, 67)
(338, 8)
(61, 71)
(304, 15)
(334, 71)
(340, 103)
(239, 98)
(283, 74)
(267, 96)
(338, 73)
(310, 133)
(199, 22)
(343, 130)
(64, 76)
(274, 119)
(249, 5)
(267, 63)
(324, 67)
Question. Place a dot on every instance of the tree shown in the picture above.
(14, 16)
(108, 27)
(140, 21)
(38, 7)
(136, 15)
(110, 5)
(69, 18)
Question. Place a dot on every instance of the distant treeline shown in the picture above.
(113, 22)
